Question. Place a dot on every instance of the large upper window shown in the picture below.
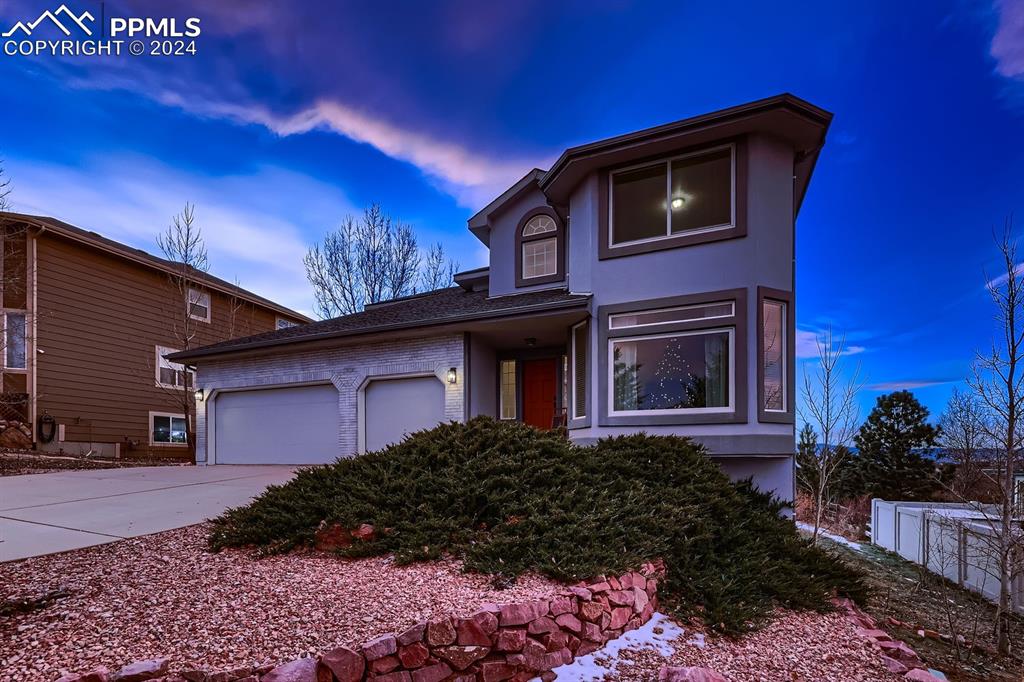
(672, 372)
(539, 246)
(686, 199)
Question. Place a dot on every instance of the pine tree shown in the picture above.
(891, 462)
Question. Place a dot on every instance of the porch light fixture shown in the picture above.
(199, 395)
(452, 376)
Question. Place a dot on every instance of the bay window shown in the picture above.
(677, 360)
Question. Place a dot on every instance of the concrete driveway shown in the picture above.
(47, 513)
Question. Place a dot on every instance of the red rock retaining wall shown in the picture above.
(515, 642)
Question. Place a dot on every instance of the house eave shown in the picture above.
(188, 357)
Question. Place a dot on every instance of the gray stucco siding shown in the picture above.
(349, 368)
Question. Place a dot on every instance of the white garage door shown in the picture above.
(395, 407)
(277, 426)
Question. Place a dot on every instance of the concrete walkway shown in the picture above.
(47, 513)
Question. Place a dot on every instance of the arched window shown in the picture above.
(540, 246)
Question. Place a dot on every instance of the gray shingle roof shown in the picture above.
(444, 306)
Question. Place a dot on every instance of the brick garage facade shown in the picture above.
(347, 368)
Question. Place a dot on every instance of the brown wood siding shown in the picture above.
(99, 321)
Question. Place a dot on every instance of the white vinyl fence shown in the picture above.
(951, 539)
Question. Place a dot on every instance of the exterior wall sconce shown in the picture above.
(199, 395)
(452, 375)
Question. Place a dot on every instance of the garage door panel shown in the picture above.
(396, 407)
(297, 425)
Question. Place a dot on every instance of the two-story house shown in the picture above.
(87, 323)
(642, 283)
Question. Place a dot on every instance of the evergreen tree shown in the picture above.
(807, 459)
(892, 463)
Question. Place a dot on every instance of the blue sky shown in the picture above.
(293, 114)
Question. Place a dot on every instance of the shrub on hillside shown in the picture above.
(507, 498)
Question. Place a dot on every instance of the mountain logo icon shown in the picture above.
(54, 17)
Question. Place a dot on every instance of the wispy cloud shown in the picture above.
(1007, 46)
(472, 178)
(247, 236)
(908, 384)
(807, 341)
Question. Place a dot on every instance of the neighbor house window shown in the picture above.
(580, 348)
(539, 248)
(15, 355)
(199, 305)
(167, 429)
(773, 355)
(686, 199)
(283, 323)
(672, 372)
(170, 374)
(507, 391)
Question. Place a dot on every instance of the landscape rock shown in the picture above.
(487, 620)
(433, 673)
(299, 670)
(140, 671)
(440, 632)
(364, 533)
(511, 639)
(496, 671)
(521, 614)
(542, 625)
(894, 666)
(569, 622)
(469, 633)
(919, 675)
(414, 655)
(385, 664)
(330, 537)
(384, 645)
(591, 611)
(461, 657)
(561, 605)
(346, 664)
(413, 634)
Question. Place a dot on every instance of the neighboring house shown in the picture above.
(642, 283)
(87, 322)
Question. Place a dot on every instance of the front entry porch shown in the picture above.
(518, 371)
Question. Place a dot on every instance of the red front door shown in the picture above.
(540, 392)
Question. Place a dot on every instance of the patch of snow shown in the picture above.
(604, 661)
(856, 546)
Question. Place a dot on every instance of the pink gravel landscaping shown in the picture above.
(795, 647)
(165, 596)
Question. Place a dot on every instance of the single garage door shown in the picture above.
(278, 426)
(395, 407)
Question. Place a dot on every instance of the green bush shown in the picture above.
(507, 499)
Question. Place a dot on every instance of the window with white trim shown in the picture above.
(167, 429)
(199, 305)
(773, 345)
(507, 390)
(686, 194)
(171, 374)
(15, 341)
(680, 372)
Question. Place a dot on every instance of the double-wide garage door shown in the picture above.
(299, 425)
